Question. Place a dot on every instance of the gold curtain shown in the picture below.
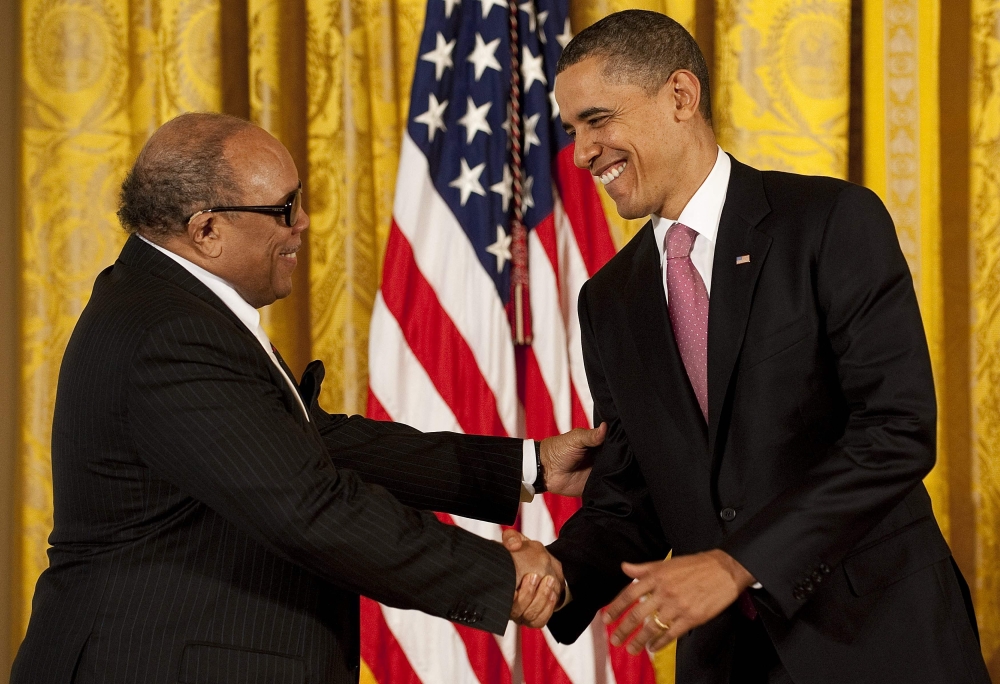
(902, 165)
(331, 80)
(984, 212)
(98, 77)
(782, 83)
(361, 57)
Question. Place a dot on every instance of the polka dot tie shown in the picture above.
(688, 304)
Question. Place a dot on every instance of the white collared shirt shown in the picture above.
(701, 215)
(248, 315)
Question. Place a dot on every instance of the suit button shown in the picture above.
(798, 594)
(728, 514)
(824, 568)
(817, 576)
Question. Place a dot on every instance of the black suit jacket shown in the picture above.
(206, 532)
(821, 427)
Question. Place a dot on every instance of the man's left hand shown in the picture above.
(567, 459)
(682, 593)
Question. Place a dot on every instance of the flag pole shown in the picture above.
(520, 310)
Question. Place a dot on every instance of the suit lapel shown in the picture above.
(649, 322)
(733, 284)
(147, 259)
(140, 256)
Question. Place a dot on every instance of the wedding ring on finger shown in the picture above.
(655, 617)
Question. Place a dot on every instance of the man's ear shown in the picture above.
(203, 233)
(685, 91)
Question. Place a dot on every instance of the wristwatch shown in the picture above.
(539, 485)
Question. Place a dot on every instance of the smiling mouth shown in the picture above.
(289, 253)
(612, 173)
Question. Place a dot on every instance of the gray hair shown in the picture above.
(182, 168)
(642, 48)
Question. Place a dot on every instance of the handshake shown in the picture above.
(540, 583)
(566, 463)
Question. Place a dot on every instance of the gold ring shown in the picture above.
(659, 623)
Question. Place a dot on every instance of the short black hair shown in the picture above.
(643, 48)
(181, 169)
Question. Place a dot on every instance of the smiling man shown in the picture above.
(758, 354)
(212, 523)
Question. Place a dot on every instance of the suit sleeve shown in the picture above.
(617, 521)
(468, 475)
(207, 418)
(867, 302)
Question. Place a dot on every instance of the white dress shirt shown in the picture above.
(250, 317)
(701, 215)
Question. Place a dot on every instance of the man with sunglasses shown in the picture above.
(211, 522)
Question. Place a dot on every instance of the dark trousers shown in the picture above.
(754, 659)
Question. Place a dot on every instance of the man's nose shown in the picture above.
(584, 152)
(302, 223)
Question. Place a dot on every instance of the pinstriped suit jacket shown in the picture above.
(206, 532)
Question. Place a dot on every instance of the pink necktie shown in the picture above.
(689, 317)
(688, 304)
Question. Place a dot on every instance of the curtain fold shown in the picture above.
(984, 212)
(276, 87)
(360, 61)
(902, 143)
(98, 76)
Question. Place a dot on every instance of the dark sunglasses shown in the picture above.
(289, 210)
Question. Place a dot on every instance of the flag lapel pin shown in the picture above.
(745, 259)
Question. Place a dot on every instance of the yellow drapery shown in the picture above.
(98, 77)
(782, 83)
(984, 212)
(902, 166)
(331, 80)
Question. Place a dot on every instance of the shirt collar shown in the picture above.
(223, 290)
(704, 210)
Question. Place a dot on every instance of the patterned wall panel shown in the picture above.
(782, 83)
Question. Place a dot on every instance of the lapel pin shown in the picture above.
(745, 259)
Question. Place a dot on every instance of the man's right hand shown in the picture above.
(539, 580)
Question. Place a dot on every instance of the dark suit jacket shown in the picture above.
(206, 532)
(821, 427)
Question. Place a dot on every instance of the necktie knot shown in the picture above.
(680, 241)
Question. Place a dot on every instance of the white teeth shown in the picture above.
(612, 174)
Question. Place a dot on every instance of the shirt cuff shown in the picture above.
(529, 469)
(567, 597)
(756, 585)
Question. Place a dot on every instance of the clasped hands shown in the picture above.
(540, 582)
(566, 464)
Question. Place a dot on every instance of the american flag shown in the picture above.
(488, 198)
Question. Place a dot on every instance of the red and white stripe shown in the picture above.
(441, 358)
